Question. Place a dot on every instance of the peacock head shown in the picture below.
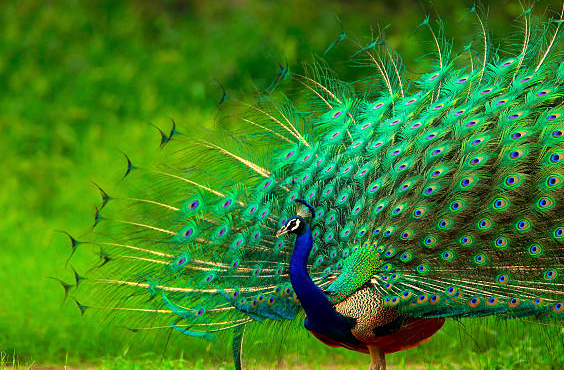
(297, 224)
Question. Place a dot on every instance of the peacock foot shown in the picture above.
(377, 359)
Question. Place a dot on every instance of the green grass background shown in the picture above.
(82, 80)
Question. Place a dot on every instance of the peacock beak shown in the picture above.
(282, 231)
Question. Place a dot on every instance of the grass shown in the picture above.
(82, 80)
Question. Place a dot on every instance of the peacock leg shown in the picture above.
(377, 358)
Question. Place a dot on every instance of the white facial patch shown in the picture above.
(295, 223)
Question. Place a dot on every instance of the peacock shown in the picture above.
(379, 208)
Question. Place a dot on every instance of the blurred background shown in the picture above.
(82, 80)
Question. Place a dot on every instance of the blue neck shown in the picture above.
(321, 316)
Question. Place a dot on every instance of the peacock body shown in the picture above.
(439, 198)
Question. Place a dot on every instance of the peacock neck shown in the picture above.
(321, 316)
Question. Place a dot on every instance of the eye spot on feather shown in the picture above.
(485, 92)
(558, 307)
(406, 294)
(389, 231)
(379, 105)
(423, 268)
(439, 106)
(557, 133)
(430, 190)
(188, 233)
(467, 181)
(502, 279)
(535, 250)
(556, 157)
(465, 240)
(514, 302)
(398, 210)
(181, 261)
(516, 154)
(550, 274)
(515, 115)
(545, 203)
(472, 123)
(337, 114)
(455, 206)
(484, 224)
(523, 225)
(558, 233)
(500, 204)
(406, 235)
(480, 259)
(510, 180)
(492, 301)
(416, 125)
(422, 298)
(460, 112)
(411, 101)
(451, 291)
(395, 122)
(365, 126)
(500, 102)
(474, 302)
(501, 243)
(447, 256)
(406, 256)
(476, 160)
(419, 212)
(444, 224)
(433, 77)
(542, 93)
(462, 80)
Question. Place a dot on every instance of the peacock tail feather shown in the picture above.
(444, 194)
